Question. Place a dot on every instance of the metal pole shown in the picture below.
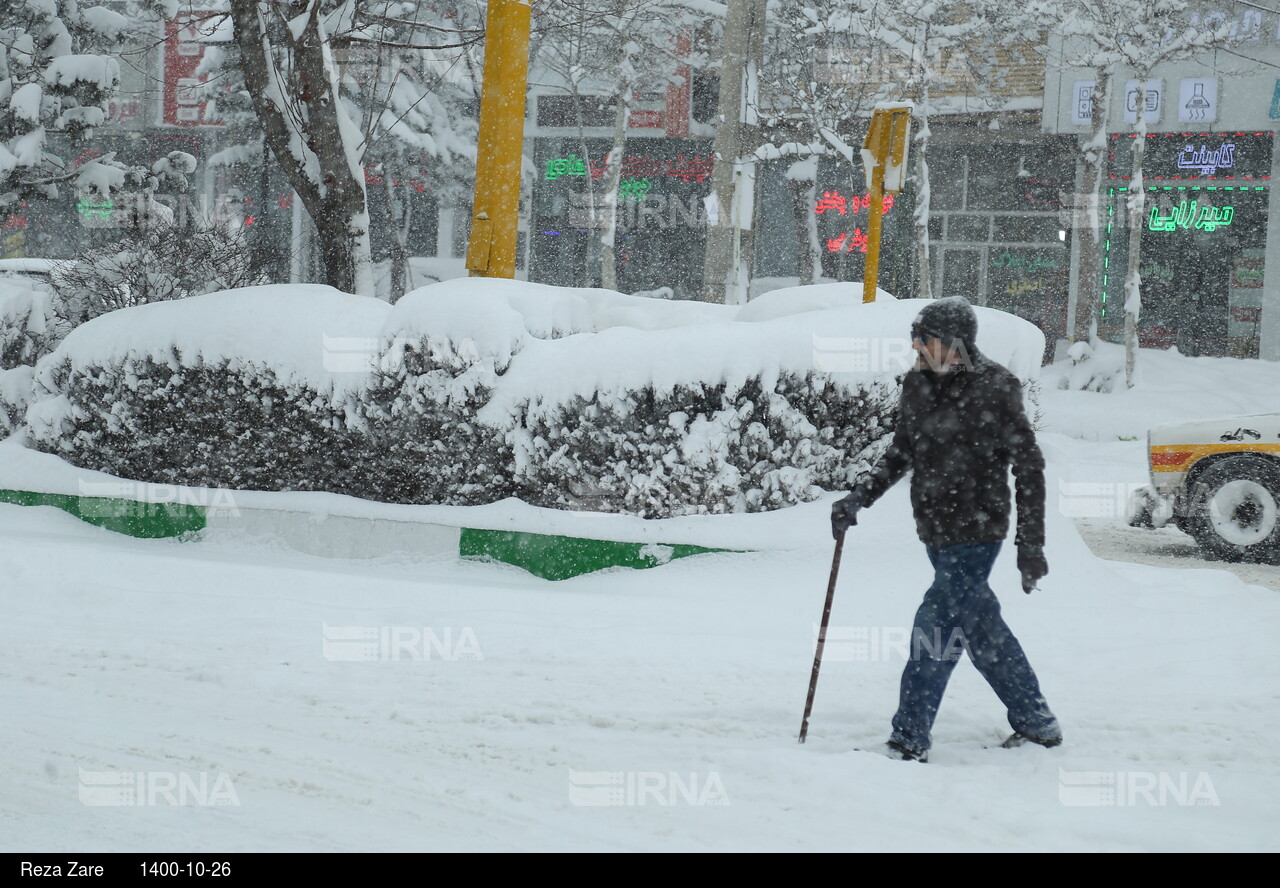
(875, 216)
(495, 219)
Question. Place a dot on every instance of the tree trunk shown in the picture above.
(612, 183)
(1087, 215)
(717, 272)
(399, 216)
(924, 288)
(1137, 221)
(309, 133)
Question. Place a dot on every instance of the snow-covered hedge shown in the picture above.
(221, 423)
(475, 390)
(418, 415)
(230, 389)
(702, 448)
(30, 328)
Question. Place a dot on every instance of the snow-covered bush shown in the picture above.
(30, 328)
(154, 263)
(225, 423)
(243, 389)
(633, 451)
(475, 390)
(418, 413)
(15, 395)
(702, 449)
(1090, 367)
(442, 353)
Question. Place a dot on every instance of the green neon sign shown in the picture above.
(91, 209)
(634, 189)
(1188, 214)
(573, 165)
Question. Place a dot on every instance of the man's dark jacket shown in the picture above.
(958, 433)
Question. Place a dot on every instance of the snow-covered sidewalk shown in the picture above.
(236, 695)
(411, 704)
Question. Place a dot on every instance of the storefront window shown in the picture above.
(661, 217)
(997, 229)
(1203, 243)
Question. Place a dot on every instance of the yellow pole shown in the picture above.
(875, 213)
(886, 143)
(495, 215)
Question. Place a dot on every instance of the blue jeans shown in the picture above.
(961, 613)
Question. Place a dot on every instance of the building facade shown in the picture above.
(1210, 159)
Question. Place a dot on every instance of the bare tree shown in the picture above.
(817, 90)
(289, 70)
(605, 51)
(418, 107)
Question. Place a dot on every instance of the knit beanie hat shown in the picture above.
(951, 320)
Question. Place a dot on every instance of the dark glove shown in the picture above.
(844, 513)
(1032, 566)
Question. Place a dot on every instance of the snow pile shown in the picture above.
(793, 300)
(1091, 367)
(299, 332)
(474, 390)
(1088, 397)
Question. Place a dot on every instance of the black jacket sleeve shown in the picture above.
(891, 466)
(1028, 471)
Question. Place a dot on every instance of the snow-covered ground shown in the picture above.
(227, 684)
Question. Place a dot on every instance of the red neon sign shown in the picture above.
(847, 242)
(834, 201)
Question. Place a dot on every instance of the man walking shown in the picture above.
(960, 426)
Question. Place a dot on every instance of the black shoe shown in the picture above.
(1017, 738)
(896, 750)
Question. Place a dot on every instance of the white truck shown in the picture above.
(1217, 480)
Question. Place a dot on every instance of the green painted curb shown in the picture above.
(561, 557)
(543, 555)
(130, 517)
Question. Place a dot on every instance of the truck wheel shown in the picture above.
(1236, 509)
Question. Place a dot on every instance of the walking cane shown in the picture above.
(822, 636)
